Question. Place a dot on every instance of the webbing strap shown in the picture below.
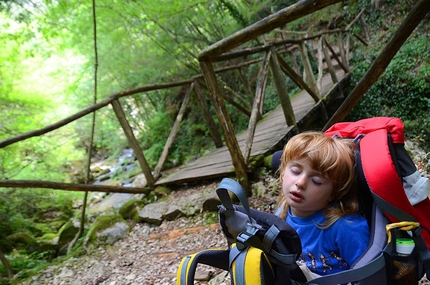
(391, 209)
(184, 271)
(270, 237)
(237, 189)
(240, 268)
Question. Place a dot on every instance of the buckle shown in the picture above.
(242, 239)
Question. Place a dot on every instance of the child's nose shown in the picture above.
(301, 182)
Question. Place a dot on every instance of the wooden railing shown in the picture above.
(275, 52)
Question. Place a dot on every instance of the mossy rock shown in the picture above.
(106, 230)
(65, 235)
(48, 242)
(130, 210)
(162, 191)
(23, 240)
(256, 161)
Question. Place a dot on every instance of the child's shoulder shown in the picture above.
(352, 221)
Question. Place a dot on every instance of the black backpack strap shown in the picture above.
(237, 189)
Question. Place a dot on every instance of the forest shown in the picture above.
(58, 57)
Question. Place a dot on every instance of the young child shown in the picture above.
(319, 201)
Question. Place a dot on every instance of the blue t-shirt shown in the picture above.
(331, 250)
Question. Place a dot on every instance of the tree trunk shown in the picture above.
(6, 265)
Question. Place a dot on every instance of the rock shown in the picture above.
(187, 205)
(211, 204)
(66, 234)
(130, 210)
(111, 203)
(154, 213)
(106, 230)
(162, 191)
(139, 181)
(259, 189)
(23, 241)
(48, 242)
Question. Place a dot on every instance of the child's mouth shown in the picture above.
(296, 196)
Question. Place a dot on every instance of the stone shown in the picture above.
(106, 230)
(154, 213)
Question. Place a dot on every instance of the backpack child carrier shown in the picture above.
(393, 197)
(262, 248)
(387, 177)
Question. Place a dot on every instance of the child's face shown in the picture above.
(305, 189)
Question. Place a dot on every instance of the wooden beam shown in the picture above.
(281, 89)
(133, 142)
(335, 55)
(226, 124)
(246, 85)
(72, 186)
(296, 78)
(276, 20)
(329, 63)
(417, 14)
(320, 63)
(213, 130)
(255, 113)
(341, 46)
(308, 68)
(173, 132)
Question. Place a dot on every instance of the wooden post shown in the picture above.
(255, 113)
(335, 56)
(235, 95)
(296, 78)
(213, 130)
(173, 132)
(133, 142)
(366, 31)
(341, 45)
(320, 64)
(226, 125)
(246, 85)
(308, 67)
(419, 11)
(279, 80)
(294, 62)
(347, 49)
(329, 63)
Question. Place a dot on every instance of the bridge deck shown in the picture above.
(271, 134)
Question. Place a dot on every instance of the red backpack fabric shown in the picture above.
(387, 167)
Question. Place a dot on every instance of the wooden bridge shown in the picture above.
(329, 50)
(271, 134)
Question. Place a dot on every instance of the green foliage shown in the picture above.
(21, 208)
(402, 90)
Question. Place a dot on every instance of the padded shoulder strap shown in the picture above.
(380, 171)
(213, 257)
(393, 126)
